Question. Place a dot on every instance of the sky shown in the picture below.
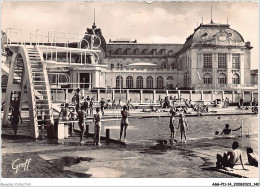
(157, 22)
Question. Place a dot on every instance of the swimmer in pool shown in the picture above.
(226, 130)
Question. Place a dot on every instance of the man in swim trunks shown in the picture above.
(81, 117)
(124, 122)
(230, 158)
(183, 126)
(97, 129)
(172, 126)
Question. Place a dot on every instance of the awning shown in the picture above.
(147, 64)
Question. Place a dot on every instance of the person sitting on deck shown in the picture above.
(230, 158)
(252, 158)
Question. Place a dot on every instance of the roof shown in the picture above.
(214, 34)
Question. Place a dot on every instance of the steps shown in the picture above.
(40, 93)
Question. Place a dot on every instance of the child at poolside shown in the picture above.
(97, 128)
(230, 158)
(172, 126)
(183, 126)
(124, 122)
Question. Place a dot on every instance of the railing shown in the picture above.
(14, 36)
(52, 38)
(82, 54)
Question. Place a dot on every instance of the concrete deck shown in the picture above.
(69, 158)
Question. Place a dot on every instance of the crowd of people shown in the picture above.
(80, 108)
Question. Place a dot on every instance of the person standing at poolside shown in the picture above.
(65, 112)
(183, 126)
(91, 106)
(15, 119)
(102, 106)
(172, 127)
(76, 99)
(97, 129)
(124, 122)
(81, 117)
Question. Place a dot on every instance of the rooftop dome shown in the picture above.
(216, 34)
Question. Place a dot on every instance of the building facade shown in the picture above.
(213, 57)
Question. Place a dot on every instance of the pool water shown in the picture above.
(151, 129)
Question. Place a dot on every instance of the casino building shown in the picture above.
(214, 56)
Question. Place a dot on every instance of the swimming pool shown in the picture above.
(148, 129)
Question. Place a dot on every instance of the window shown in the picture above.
(129, 82)
(4, 80)
(222, 60)
(170, 82)
(222, 79)
(119, 66)
(164, 65)
(112, 66)
(139, 82)
(235, 61)
(207, 61)
(119, 82)
(235, 79)
(207, 79)
(159, 82)
(172, 66)
(149, 82)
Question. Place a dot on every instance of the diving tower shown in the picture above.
(28, 70)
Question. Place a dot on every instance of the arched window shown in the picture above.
(170, 82)
(129, 82)
(4, 80)
(149, 82)
(119, 82)
(207, 79)
(159, 82)
(139, 82)
(235, 79)
(222, 79)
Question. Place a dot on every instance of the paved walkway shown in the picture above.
(68, 158)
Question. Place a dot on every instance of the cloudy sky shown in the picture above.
(167, 22)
